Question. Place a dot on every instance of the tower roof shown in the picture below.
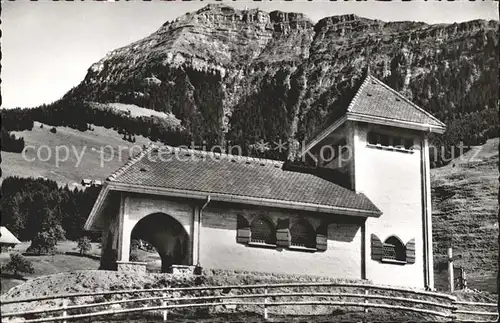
(378, 100)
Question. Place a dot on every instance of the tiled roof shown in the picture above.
(376, 102)
(207, 172)
(377, 99)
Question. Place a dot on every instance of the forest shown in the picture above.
(31, 207)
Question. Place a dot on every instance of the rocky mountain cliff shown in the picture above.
(249, 75)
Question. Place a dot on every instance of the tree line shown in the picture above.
(38, 210)
(14, 120)
(11, 143)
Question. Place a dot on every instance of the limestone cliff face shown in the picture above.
(244, 75)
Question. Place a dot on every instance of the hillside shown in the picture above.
(246, 75)
(69, 171)
(49, 265)
(465, 209)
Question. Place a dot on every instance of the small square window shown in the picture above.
(397, 142)
(408, 143)
(384, 140)
(373, 138)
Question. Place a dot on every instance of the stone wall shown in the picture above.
(139, 267)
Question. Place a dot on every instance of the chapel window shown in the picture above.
(303, 235)
(263, 231)
(394, 249)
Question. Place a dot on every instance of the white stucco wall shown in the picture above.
(392, 180)
(136, 207)
(220, 250)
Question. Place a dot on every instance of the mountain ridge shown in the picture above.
(243, 76)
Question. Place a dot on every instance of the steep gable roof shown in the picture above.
(376, 102)
(230, 178)
(376, 99)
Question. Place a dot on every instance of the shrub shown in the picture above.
(53, 130)
(84, 245)
(18, 264)
(46, 241)
(135, 244)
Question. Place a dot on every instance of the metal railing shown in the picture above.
(363, 297)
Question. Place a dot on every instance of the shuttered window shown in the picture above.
(393, 249)
(303, 235)
(263, 231)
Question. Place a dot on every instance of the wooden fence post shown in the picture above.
(450, 270)
(462, 279)
(65, 312)
(265, 307)
(366, 300)
(164, 303)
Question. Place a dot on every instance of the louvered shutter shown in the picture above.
(321, 242)
(283, 238)
(322, 237)
(243, 235)
(243, 230)
(377, 248)
(410, 252)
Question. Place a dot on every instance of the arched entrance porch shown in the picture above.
(167, 236)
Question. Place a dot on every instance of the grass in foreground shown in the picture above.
(48, 265)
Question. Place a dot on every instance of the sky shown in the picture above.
(47, 47)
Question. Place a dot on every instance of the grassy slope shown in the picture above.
(85, 281)
(69, 171)
(136, 111)
(48, 265)
(61, 262)
(465, 215)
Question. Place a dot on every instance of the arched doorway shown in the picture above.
(167, 236)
